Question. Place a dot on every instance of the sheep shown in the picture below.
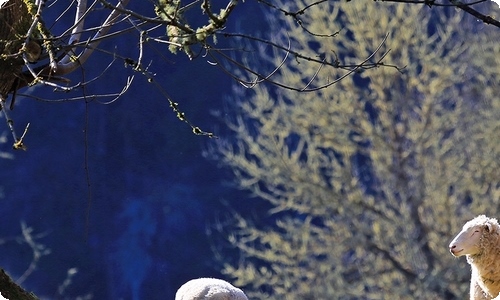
(209, 289)
(479, 241)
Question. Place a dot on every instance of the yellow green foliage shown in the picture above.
(369, 182)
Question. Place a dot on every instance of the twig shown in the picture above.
(467, 7)
(66, 68)
(18, 143)
(39, 250)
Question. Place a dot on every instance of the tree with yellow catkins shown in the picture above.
(369, 179)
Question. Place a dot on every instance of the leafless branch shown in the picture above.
(18, 142)
(68, 67)
(466, 7)
(365, 64)
(39, 250)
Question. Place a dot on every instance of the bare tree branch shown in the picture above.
(467, 7)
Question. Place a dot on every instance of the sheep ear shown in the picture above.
(487, 227)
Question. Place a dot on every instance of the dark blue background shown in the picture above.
(152, 193)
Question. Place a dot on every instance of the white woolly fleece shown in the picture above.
(479, 241)
(209, 289)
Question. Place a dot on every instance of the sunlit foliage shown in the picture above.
(369, 179)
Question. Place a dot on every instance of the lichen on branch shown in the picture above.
(181, 34)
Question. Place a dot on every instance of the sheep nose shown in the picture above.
(453, 249)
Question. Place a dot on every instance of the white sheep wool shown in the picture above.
(209, 289)
(2, 298)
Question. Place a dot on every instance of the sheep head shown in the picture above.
(469, 240)
(209, 289)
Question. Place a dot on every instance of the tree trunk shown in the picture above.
(14, 24)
